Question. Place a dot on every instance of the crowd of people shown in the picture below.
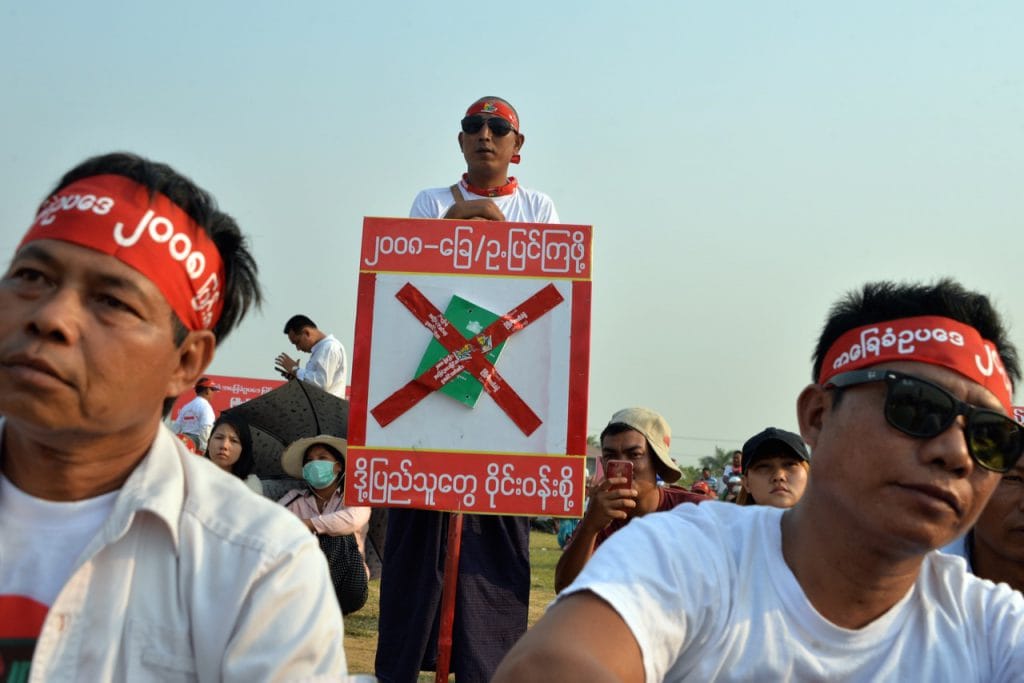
(125, 556)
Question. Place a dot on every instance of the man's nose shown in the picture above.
(949, 449)
(484, 132)
(57, 315)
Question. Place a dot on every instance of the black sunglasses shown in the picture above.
(924, 410)
(499, 126)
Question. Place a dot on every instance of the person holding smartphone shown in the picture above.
(634, 453)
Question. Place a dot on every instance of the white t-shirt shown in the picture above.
(196, 417)
(40, 541)
(958, 548)
(522, 206)
(708, 596)
(327, 367)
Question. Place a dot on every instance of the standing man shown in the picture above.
(196, 418)
(122, 556)
(327, 366)
(908, 421)
(490, 140)
(641, 437)
(493, 591)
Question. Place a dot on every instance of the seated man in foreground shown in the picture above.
(640, 437)
(123, 557)
(908, 422)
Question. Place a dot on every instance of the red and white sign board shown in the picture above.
(233, 391)
(520, 449)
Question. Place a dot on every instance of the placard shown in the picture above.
(233, 391)
(471, 288)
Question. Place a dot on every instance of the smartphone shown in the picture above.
(619, 468)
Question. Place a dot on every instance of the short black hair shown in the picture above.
(297, 323)
(245, 464)
(615, 428)
(878, 302)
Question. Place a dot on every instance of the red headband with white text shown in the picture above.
(115, 215)
(496, 108)
(499, 109)
(924, 339)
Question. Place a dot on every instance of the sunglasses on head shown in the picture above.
(924, 410)
(475, 123)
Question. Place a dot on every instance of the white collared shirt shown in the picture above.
(327, 367)
(196, 418)
(191, 577)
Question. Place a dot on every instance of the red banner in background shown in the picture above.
(233, 391)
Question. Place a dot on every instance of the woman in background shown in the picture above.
(341, 530)
(230, 448)
(776, 466)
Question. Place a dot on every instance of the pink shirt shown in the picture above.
(335, 520)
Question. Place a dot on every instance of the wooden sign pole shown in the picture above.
(451, 577)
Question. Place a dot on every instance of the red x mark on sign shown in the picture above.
(467, 355)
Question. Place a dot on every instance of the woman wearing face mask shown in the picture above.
(776, 466)
(230, 448)
(320, 461)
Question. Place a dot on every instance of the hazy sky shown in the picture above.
(742, 163)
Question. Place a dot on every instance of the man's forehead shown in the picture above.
(626, 435)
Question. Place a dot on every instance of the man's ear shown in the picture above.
(194, 356)
(520, 141)
(460, 140)
(811, 408)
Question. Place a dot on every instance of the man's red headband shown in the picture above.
(117, 216)
(924, 339)
(496, 108)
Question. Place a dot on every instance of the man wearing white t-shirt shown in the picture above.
(908, 420)
(327, 367)
(490, 140)
(196, 418)
(123, 557)
(492, 597)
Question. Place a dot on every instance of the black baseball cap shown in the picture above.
(771, 436)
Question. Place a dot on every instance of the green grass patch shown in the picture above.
(361, 627)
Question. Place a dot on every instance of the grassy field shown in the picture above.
(361, 627)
